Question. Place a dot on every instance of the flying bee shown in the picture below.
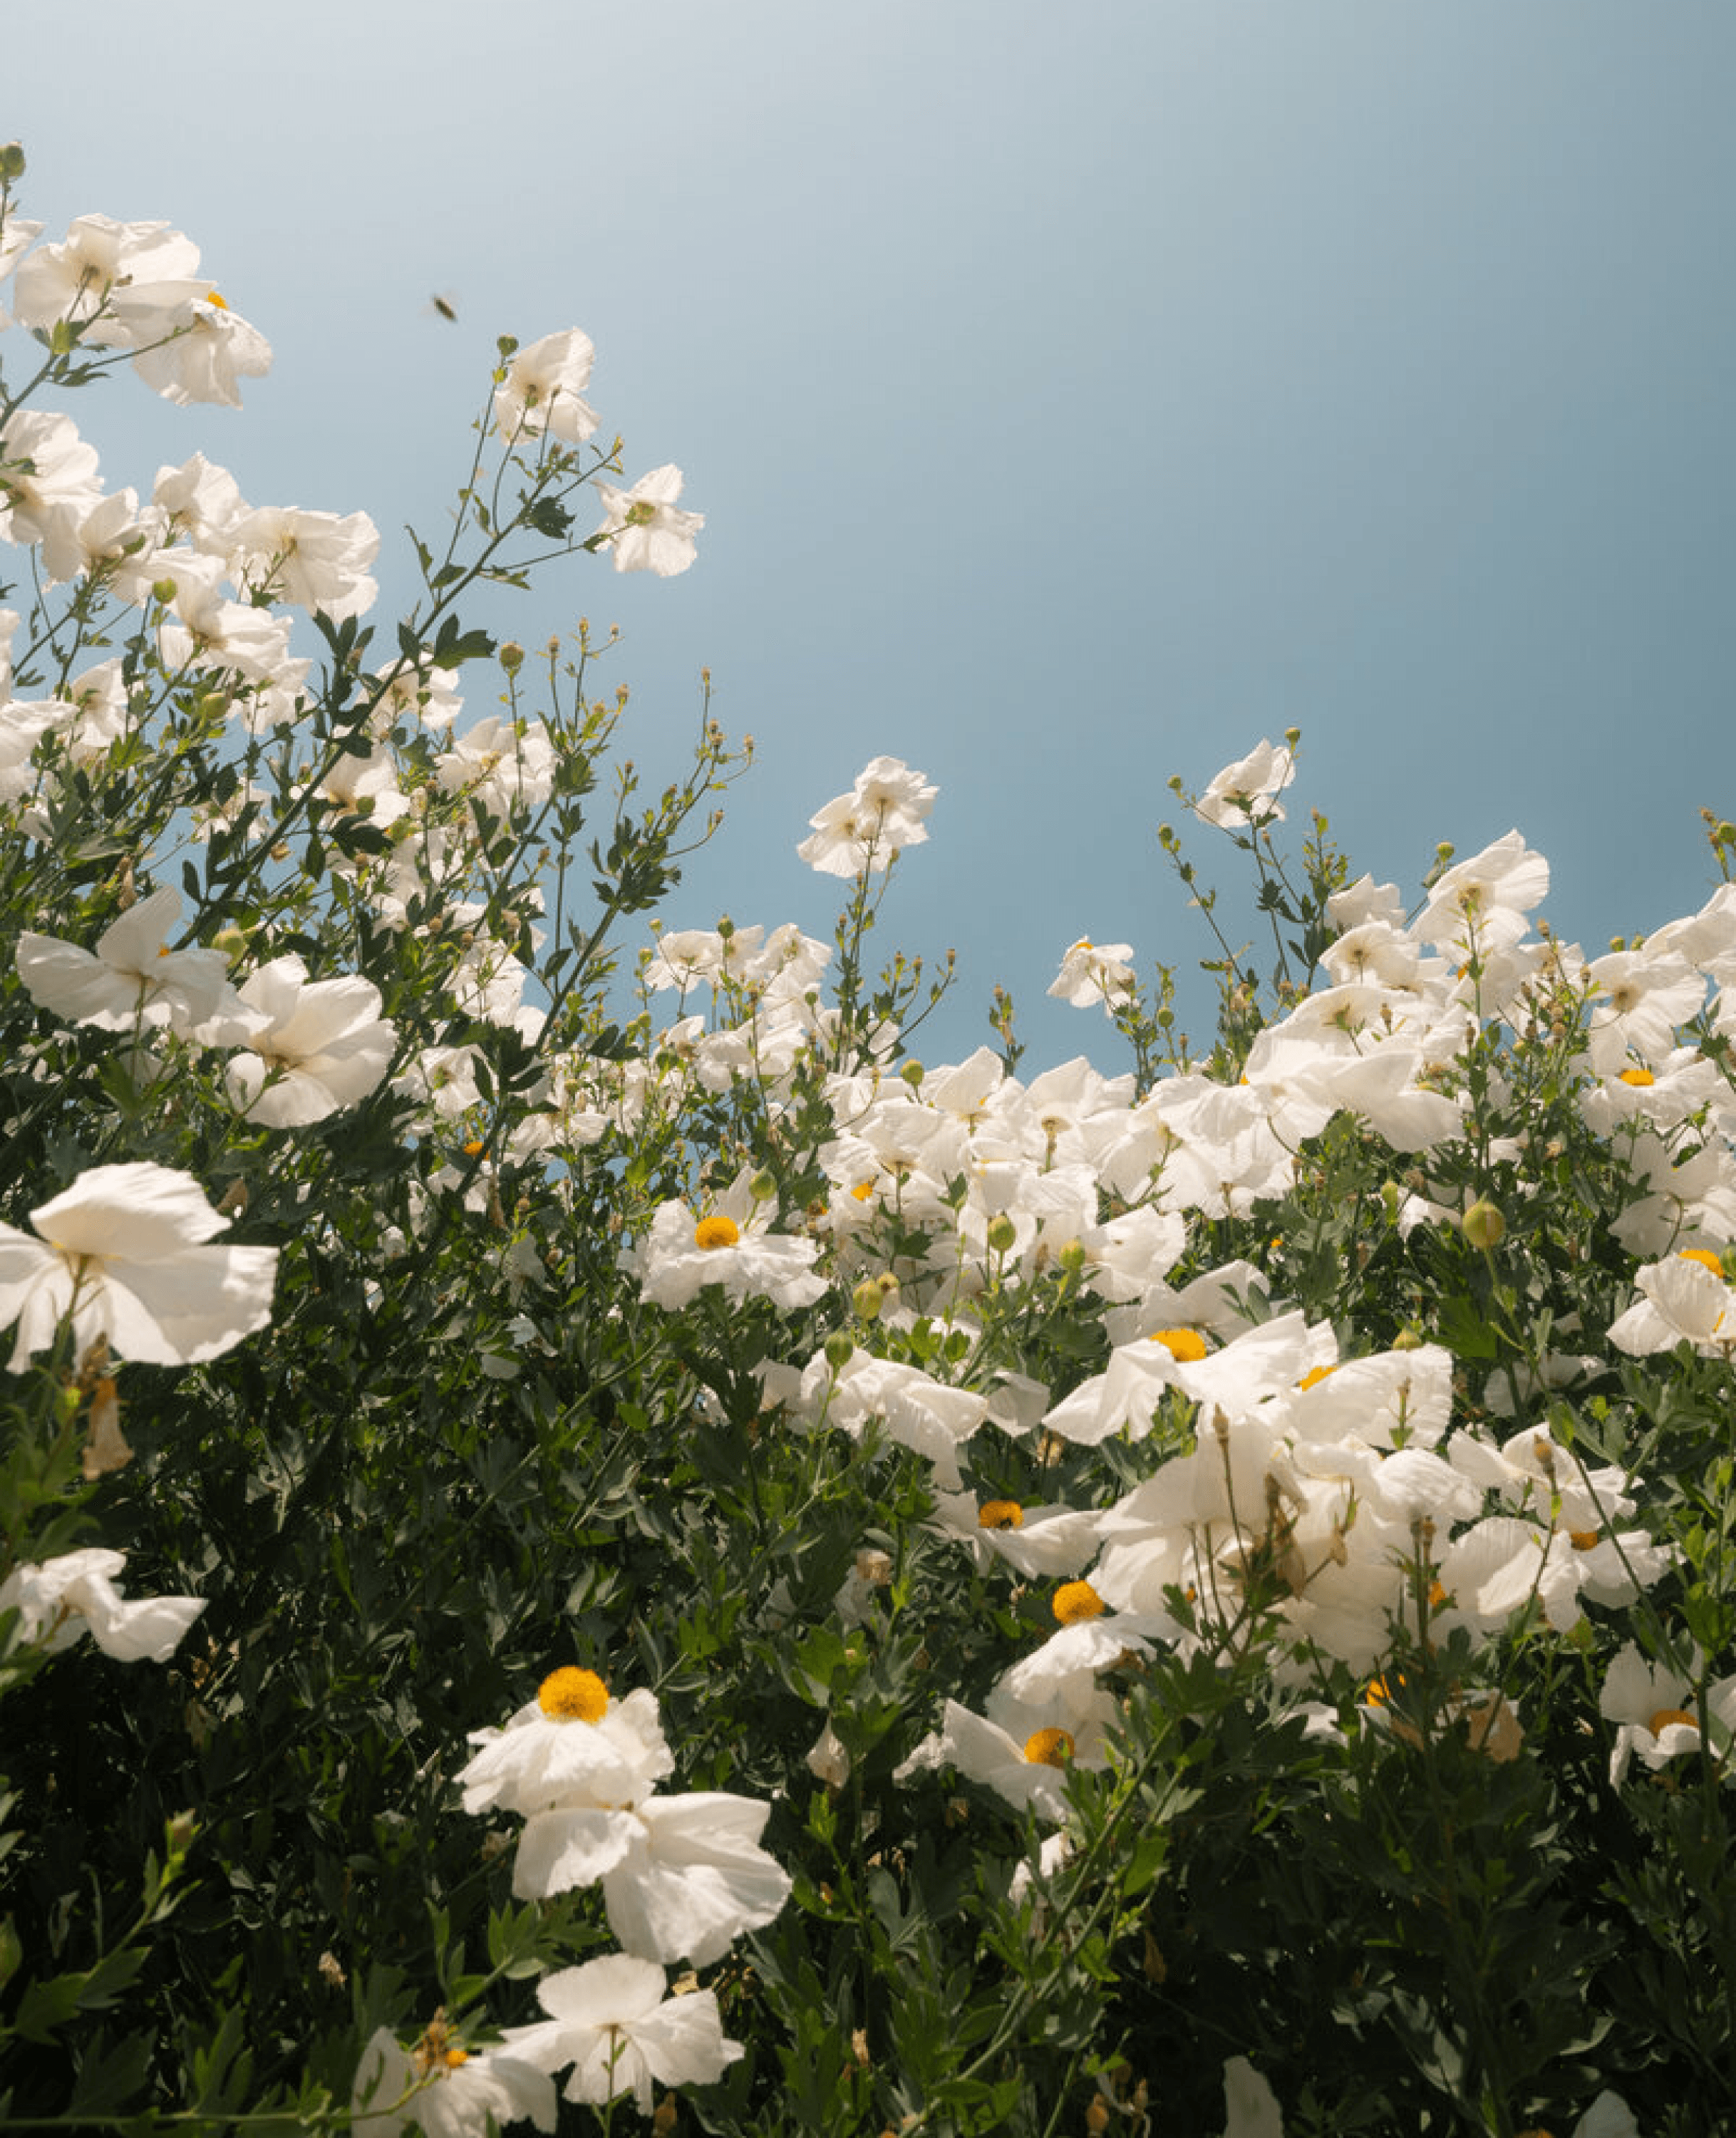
(444, 305)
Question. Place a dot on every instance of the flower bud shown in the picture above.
(868, 1299)
(1407, 1339)
(763, 1186)
(1002, 1234)
(912, 1072)
(512, 657)
(1483, 1224)
(163, 591)
(11, 161)
(840, 1348)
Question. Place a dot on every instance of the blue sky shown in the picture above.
(1074, 396)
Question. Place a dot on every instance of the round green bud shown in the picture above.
(763, 1186)
(839, 1347)
(11, 161)
(1002, 1234)
(1072, 1257)
(163, 591)
(868, 1299)
(1483, 1224)
(912, 1072)
(512, 657)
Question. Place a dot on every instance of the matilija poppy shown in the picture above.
(77, 1593)
(612, 2021)
(123, 1254)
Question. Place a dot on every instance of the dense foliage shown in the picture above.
(540, 1471)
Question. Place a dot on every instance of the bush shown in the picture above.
(1137, 1602)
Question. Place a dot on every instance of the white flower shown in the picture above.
(610, 2020)
(322, 1044)
(860, 831)
(1250, 2107)
(543, 388)
(500, 768)
(314, 560)
(1244, 792)
(1030, 1776)
(77, 1593)
(445, 2091)
(648, 532)
(731, 1246)
(132, 977)
(123, 1251)
(682, 1877)
(191, 347)
(572, 1746)
(1092, 973)
(1653, 1706)
(77, 280)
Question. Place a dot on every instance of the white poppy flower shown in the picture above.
(682, 1877)
(131, 977)
(543, 389)
(644, 526)
(610, 2020)
(76, 1593)
(323, 1044)
(123, 1251)
(445, 2091)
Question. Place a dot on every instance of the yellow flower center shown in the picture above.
(571, 1695)
(1314, 1376)
(215, 297)
(1186, 1344)
(1584, 1539)
(1665, 1716)
(718, 1232)
(1077, 1600)
(1049, 1748)
(1705, 1257)
(474, 1147)
(1001, 1515)
(1379, 1691)
(1639, 1077)
(862, 1190)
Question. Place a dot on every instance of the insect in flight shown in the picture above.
(444, 305)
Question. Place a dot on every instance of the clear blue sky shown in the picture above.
(1075, 395)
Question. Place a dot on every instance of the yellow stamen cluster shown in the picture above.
(1638, 1077)
(1186, 1344)
(1314, 1376)
(1049, 1748)
(1665, 1716)
(571, 1695)
(1001, 1515)
(1705, 1257)
(1585, 1539)
(716, 1232)
(1076, 1601)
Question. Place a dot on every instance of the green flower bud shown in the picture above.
(11, 161)
(1408, 1339)
(868, 1299)
(1002, 1234)
(912, 1072)
(163, 591)
(512, 657)
(1483, 1224)
(763, 1186)
(839, 1347)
